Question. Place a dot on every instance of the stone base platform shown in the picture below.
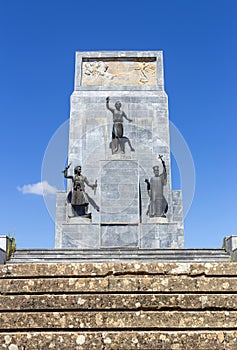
(119, 255)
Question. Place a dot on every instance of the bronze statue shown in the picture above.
(117, 132)
(78, 198)
(158, 205)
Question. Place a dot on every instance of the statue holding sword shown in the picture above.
(78, 197)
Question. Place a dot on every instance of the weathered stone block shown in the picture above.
(84, 236)
(119, 236)
(160, 235)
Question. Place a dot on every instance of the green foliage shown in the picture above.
(11, 246)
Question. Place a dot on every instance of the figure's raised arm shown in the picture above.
(164, 169)
(108, 106)
(65, 172)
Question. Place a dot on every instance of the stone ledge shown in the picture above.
(112, 302)
(102, 269)
(146, 320)
(181, 284)
(193, 340)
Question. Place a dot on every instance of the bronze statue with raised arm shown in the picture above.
(158, 205)
(117, 132)
(78, 196)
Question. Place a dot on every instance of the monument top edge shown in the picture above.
(119, 53)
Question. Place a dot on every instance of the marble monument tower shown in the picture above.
(119, 193)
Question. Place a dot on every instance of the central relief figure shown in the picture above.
(117, 132)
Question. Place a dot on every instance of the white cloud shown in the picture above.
(40, 188)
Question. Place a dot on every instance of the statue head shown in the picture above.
(118, 105)
(156, 170)
(77, 170)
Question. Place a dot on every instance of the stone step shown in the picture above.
(124, 340)
(119, 320)
(118, 306)
(123, 255)
(114, 284)
(28, 270)
(113, 302)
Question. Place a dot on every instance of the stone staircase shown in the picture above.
(120, 255)
(72, 306)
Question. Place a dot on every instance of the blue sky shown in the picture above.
(38, 41)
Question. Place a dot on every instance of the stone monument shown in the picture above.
(119, 140)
